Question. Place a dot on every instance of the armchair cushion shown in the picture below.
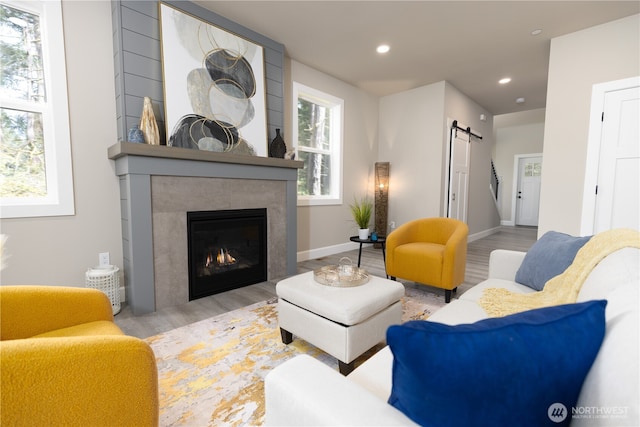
(512, 370)
(99, 327)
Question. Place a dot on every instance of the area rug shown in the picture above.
(211, 373)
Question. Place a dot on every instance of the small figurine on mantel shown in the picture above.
(148, 123)
(135, 134)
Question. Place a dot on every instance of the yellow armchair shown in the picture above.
(64, 362)
(430, 251)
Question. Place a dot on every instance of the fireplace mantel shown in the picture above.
(122, 149)
(159, 184)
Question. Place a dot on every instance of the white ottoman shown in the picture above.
(344, 322)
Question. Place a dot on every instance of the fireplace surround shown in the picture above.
(160, 184)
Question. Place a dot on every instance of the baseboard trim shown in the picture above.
(326, 251)
(475, 236)
(343, 247)
(508, 222)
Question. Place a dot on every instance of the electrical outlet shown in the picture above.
(392, 224)
(104, 259)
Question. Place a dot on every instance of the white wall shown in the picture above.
(578, 61)
(414, 137)
(326, 229)
(411, 140)
(58, 250)
(515, 134)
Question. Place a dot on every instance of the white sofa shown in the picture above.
(304, 391)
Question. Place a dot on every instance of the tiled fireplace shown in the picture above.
(159, 185)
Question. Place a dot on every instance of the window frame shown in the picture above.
(336, 106)
(59, 200)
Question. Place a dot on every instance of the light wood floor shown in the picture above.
(514, 238)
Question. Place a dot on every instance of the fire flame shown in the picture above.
(209, 260)
(224, 258)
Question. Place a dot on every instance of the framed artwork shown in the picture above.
(214, 86)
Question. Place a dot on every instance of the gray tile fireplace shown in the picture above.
(159, 185)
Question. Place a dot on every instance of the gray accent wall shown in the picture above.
(240, 181)
(138, 62)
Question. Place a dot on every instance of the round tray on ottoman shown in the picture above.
(343, 276)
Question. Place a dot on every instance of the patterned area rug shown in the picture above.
(211, 373)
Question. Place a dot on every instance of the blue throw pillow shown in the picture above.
(526, 369)
(548, 257)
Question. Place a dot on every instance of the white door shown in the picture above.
(618, 185)
(528, 190)
(459, 175)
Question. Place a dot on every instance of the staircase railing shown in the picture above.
(495, 181)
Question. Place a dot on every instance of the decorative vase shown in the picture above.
(363, 233)
(277, 148)
(148, 123)
(135, 134)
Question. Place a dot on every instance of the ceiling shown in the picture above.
(470, 44)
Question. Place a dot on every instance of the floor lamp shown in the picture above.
(381, 198)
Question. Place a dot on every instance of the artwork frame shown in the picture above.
(214, 86)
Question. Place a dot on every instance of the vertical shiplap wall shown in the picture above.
(138, 62)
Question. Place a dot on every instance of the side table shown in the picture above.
(381, 240)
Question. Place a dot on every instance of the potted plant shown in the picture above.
(361, 211)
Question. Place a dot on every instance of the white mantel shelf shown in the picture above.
(122, 149)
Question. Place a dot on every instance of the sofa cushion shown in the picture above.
(458, 312)
(475, 293)
(612, 382)
(548, 257)
(523, 369)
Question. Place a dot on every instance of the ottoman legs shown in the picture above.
(287, 337)
(344, 368)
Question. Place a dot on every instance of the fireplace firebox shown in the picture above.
(227, 250)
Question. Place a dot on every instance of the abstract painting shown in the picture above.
(214, 87)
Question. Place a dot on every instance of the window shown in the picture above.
(317, 130)
(35, 153)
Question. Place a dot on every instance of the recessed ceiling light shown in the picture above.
(504, 81)
(383, 48)
(536, 32)
(520, 101)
